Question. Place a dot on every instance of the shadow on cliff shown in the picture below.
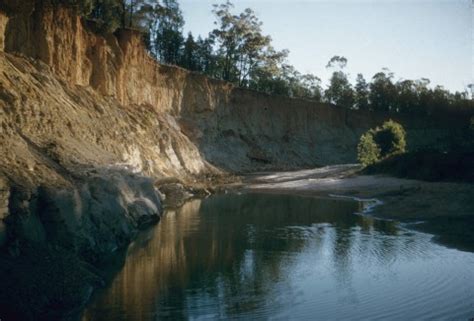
(56, 235)
(241, 130)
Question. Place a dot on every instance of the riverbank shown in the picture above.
(444, 209)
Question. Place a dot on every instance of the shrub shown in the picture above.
(382, 142)
(390, 138)
(367, 151)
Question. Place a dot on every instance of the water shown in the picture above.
(286, 258)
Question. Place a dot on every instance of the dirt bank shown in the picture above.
(440, 208)
(96, 137)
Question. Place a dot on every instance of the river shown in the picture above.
(259, 256)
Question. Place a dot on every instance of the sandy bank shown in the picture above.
(446, 209)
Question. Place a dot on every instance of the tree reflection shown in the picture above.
(225, 255)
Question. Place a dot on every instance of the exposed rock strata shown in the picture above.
(256, 129)
(89, 124)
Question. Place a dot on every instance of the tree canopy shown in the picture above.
(237, 50)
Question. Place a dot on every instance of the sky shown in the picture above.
(413, 38)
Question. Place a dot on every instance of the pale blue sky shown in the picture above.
(413, 38)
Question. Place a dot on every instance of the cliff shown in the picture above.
(90, 123)
(221, 120)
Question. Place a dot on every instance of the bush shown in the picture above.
(367, 151)
(382, 142)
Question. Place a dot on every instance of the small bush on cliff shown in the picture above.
(382, 142)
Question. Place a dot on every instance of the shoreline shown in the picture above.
(443, 209)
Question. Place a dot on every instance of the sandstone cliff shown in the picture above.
(220, 120)
(89, 124)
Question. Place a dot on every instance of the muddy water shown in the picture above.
(286, 257)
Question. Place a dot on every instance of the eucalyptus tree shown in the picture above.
(190, 56)
(206, 57)
(242, 49)
(165, 26)
(339, 91)
(361, 93)
(109, 14)
(382, 91)
(406, 99)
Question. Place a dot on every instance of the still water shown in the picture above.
(283, 257)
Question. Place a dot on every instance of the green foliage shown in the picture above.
(189, 58)
(241, 46)
(381, 143)
(337, 61)
(238, 51)
(390, 138)
(340, 90)
(84, 6)
(367, 150)
(382, 91)
(361, 93)
(108, 14)
(166, 32)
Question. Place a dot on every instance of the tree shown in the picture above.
(406, 96)
(84, 6)
(424, 95)
(108, 14)
(242, 49)
(471, 89)
(227, 39)
(440, 99)
(310, 87)
(361, 93)
(382, 91)
(271, 75)
(340, 90)
(166, 32)
(190, 58)
(207, 60)
(130, 8)
(337, 61)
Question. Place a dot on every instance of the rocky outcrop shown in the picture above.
(51, 237)
(94, 218)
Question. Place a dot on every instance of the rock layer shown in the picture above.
(222, 120)
(89, 123)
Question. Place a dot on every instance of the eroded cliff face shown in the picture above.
(74, 102)
(235, 129)
(3, 24)
(90, 123)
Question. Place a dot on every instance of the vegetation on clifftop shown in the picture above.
(238, 51)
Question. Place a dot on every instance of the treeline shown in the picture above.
(237, 51)
(382, 93)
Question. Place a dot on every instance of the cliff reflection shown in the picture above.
(231, 255)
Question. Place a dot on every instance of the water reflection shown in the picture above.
(264, 256)
(3, 233)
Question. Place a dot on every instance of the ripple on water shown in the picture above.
(286, 257)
